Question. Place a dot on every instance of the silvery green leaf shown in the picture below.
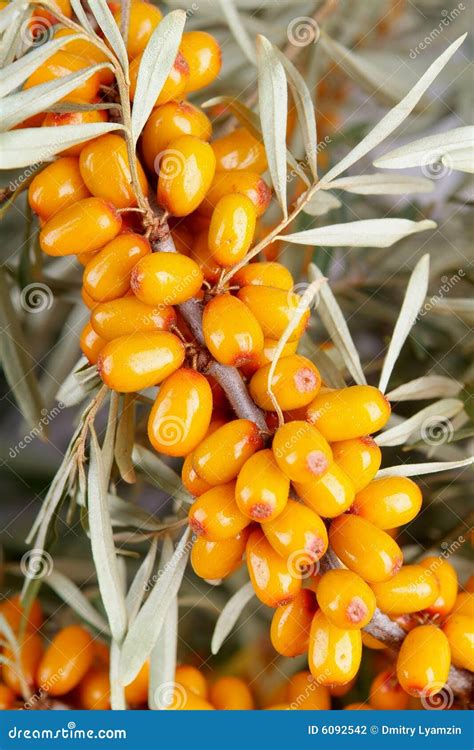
(232, 17)
(364, 233)
(17, 107)
(230, 614)
(21, 148)
(429, 386)
(382, 184)
(419, 470)
(273, 106)
(125, 513)
(9, 14)
(102, 543)
(412, 304)
(321, 203)
(73, 389)
(82, 17)
(13, 17)
(160, 474)
(138, 587)
(111, 31)
(462, 159)
(428, 150)
(336, 326)
(117, 692)
(329, 372)
(421, 422)
(145, 629)
(156, 63)
(125, 438)
(73, 596)
(17, 72)
(397, 115)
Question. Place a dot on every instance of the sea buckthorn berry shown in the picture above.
(59, 119)
(126, 315)
(105, 168)
(168, 122)
(88, 50)
(274, 582)
(7, 697)
(306, 693)
(232, 229)
(215, 515)
(29, 656)
(464, 604)
(66, 660)
(186, 700)
(264, 274)
(328, 495)
(61, 6)
(231, 331)
(239, 150)
(216, 560)
(370, 642)
(262, 488)
(231, 694)
(192, 679)
(334, 653)
(221, 455)
(58, 185)
(349, 412)
(447, 579)
(389, 502)
(107, 275)
(459, 631)
(81, 228)
(413, 588)
(94, 690)
(136, 692)
(173, 87)
(386, 694)
(203, 55)
(186, 171)
(359, 458)
(423, 661)
(291, 624)
(91, 343)
(201, 254)
(339, 690)
(144, 18)
(297, 533)
(295, 383)
(346, 599)
(469, 585)
(181, 414)
(130, 363)
(237, 181)
(166, 279)
(301, 451)
(268, 354)
(62, 64)
(13, 612)
(84, 259)
(274, 309)
(364, 548)
(191, 479)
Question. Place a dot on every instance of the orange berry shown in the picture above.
(364, 548)
(66, 660)
(370, 642)
(181, 414)
(423, 661)
(191, 479)
(186, 173)
(187, 700)
(88, 50)
(346, 599)
(273, 580)
(306, 693)
(144, 18)
(81, 228)
(328, 495)
(215, 515)
(192, 679)
(459, 631)
(231, 694)
(237, 181)
(447, 579)
(166, 279)
(105, 168)
(221, 455)
(13, 611)
(62, 64)
(239, 150)
(264, 274)
(268, 353)
(339, 690)
(297, 533)
(359, 458)
(464, 604)
(216, 560)
(301, 451)
(7, 697)
(173, 87)
(334, 653)
(274, 309)
(291, 624)
(232, 229)
(389, 502)
(94, 690)
(59, 119)
(29, 656)
(412, 589)
(107, 275)
(350, 412)
(262, 489)
(231, 331)
(58, 185)
(203, 55)
(127, 315)
(91, 343)
(295, 383)
(136, 692)
(168, 122)
(386, 694)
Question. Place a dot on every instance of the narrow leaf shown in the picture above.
(421, 423)
(137, 590)
(111, 31)
(117, 692)
(412, 303)
(321, 203)
(230, 614)
(419, 470)
(364, 233)
(160, 474)
(462, 159)
(73, 596)
(429, 386)
(428, 150)
(125, 438)
(241, 36)
(382, 184)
